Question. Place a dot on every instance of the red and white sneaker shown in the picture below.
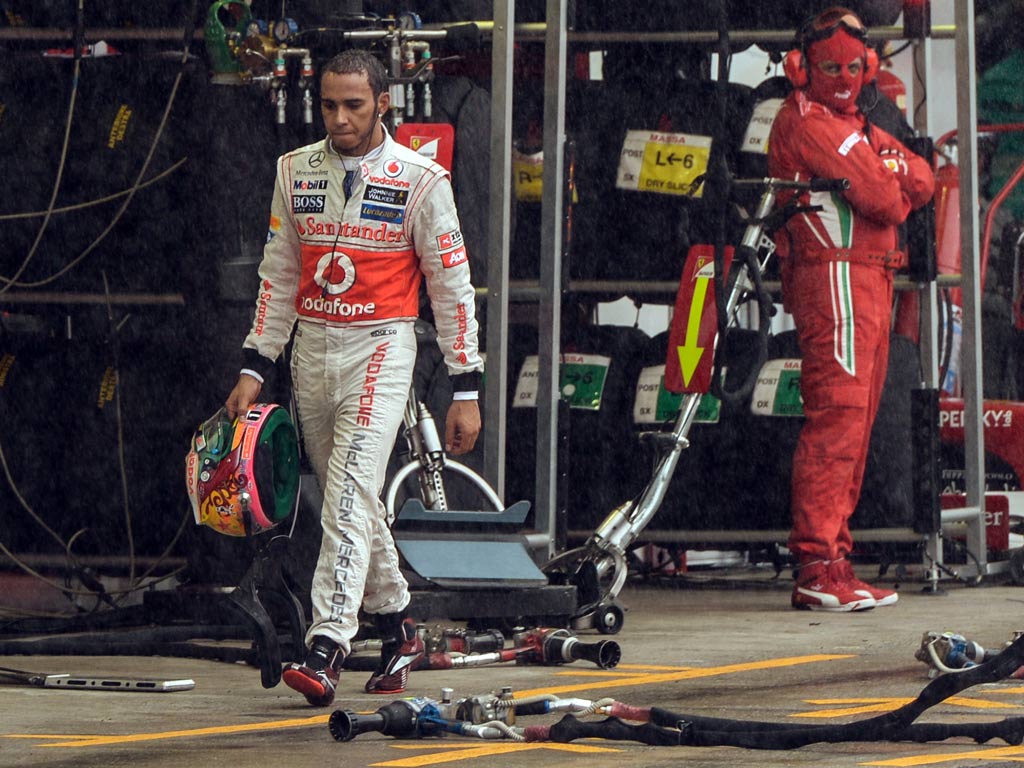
(317, 677)
(817, 589)
(842, 570)
(393, 676)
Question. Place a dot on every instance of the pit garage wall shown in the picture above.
(127, 313)
(551, 282)
(122, 330)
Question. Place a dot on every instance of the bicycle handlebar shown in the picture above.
(814, 185)
(829, 185)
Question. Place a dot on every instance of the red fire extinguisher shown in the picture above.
(947, 257)
(948, 260)
(893, 87)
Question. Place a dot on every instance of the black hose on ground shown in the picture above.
(668, 728)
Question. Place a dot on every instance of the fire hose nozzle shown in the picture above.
(559, 646)
(346, 725)
(606, 654)
(396, 719)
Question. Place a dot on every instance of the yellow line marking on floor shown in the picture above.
(455, 752)
(623, 681)
(64, 736)
(653, 667)
(686, 674)
(997, 753)
(606, 673)
(888, 705)
(93, 741)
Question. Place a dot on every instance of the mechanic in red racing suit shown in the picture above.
(356, 222)
(837, 281)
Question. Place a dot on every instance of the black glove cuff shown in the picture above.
(254, 361)
(467, 382)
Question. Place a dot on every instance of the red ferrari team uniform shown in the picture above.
(837, 280)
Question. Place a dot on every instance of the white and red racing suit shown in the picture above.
(837, 281)
(348, 268)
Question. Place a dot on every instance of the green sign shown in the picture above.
(709, 409)
(582, 384)
(777, 391)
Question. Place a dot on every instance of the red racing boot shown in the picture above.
(818, 589)
(842, 570)
(317, 677)
(400, 653)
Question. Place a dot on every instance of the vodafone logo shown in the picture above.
(393, 168)
(330, 267)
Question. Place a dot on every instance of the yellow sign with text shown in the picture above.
(663, 163)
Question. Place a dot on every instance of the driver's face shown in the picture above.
(350, 112)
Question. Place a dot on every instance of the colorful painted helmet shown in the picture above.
(243, 475)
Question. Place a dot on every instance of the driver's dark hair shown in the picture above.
(357, 61)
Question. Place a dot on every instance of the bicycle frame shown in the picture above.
(606, 548)
(425, 447)
(619, 530)
(428, 461)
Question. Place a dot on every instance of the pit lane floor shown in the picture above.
(697, 644)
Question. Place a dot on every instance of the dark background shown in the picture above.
(100, 393)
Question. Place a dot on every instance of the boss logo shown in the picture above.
(308, 203)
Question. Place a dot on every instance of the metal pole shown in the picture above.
(928, 295)
(967, 133)
(550, 306)
(499, 237)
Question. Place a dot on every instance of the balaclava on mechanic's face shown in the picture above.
(836, 70)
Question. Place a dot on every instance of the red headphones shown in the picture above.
(794, 65)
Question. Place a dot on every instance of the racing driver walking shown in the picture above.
(356, 222)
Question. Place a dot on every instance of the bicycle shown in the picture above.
(602, 558)
(598, 568)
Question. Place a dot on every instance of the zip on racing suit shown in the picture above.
(837, 280)
(348, 268)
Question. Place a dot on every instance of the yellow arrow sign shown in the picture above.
(690, 354)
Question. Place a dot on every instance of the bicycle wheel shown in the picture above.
(464, 489)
